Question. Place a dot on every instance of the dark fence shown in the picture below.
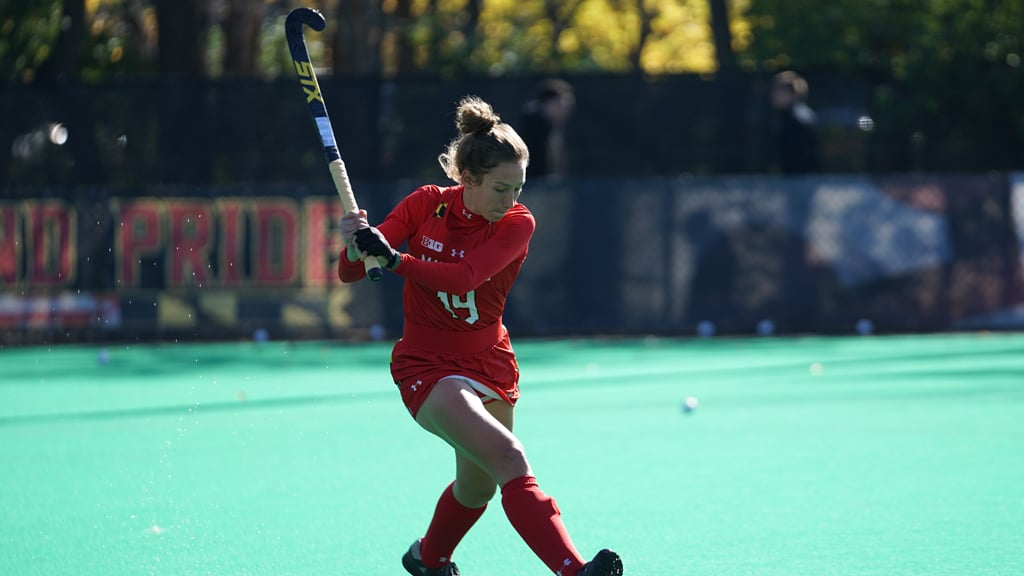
(650, 255)
(139, 132)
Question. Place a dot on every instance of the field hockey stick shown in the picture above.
(314, 98)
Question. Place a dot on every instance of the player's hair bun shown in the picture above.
(484, 141)
(475, 116)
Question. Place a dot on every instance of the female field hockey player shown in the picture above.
(454, 365)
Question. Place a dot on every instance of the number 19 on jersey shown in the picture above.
(467, 301)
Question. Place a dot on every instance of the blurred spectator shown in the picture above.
(542, 126)
(796, 125)
(712, 294)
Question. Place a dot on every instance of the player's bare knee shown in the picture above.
(509, 462)
(474, 496)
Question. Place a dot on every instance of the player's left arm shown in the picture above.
(396, 228)
(484, 261)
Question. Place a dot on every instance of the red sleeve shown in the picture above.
(349, 272)
(492, 256)
(397, 228)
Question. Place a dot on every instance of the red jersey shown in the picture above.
(459, 268)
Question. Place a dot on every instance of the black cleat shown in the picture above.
(413, 564)
(605, 563)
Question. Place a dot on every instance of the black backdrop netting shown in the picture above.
(142, 131)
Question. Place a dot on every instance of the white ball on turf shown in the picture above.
(690, 404)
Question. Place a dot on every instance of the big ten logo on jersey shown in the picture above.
(432, 244)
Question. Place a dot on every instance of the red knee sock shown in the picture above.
(536, 517)
(450, 523)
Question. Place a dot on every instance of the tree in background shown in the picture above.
(721, 34)
(560, 15)
(88, 39)
(183, 28)
(242, 29)
(899, 38)
(663, 37)
(356, 37)
(204, 38)
(509, 36)
(27, 34)
(64, 63)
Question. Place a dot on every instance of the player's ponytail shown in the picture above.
(484, 141)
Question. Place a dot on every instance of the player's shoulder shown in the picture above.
(426, 198)
(430, 193)
(519, 212)
(426, 193)
(519, 216)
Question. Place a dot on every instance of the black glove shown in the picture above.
(371, 241)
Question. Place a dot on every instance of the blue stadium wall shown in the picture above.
(610, 256)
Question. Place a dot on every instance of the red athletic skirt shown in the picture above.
(417, 366)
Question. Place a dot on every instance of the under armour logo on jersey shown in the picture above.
(459, 253)
(467, 214)
(416, 385)
(432, 244)
(440, 210)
